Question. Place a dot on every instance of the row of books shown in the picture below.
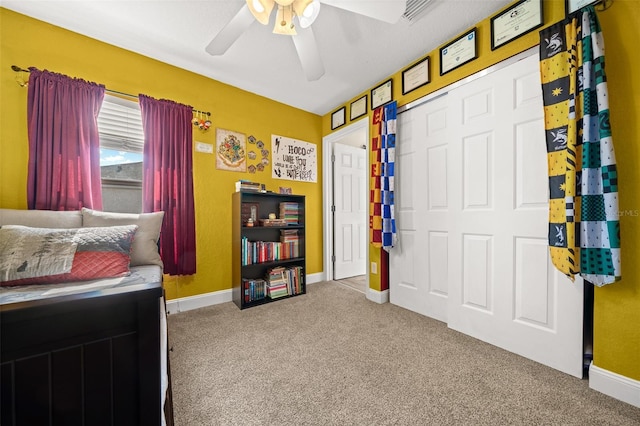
(284, 281)
(254, 289)
(248, 186)
(268, 251)
(289, 211)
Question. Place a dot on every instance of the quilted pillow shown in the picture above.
(145, 244)
(45, 255)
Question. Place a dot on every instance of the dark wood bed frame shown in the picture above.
(83, 359)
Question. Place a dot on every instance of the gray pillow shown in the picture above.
(144, 250)
(41, 218)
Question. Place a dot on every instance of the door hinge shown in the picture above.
(333, 209)
(333, 258)
(333, 158)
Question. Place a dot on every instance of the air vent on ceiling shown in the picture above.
(416, 9)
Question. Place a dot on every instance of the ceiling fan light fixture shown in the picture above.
(261, 9)
(309, 14)
(284, 21)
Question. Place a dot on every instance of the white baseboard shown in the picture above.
(378, 296)
(208, 299)
(614, 385)
(315, 278)
(199, 301)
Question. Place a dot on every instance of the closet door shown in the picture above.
(472, 213)
(418, 265)
(503, 288)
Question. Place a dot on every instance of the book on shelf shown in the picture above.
(248, 186)
(289, 211)
(253, 289)
(268, 251)
(272, 222)
(283, 281)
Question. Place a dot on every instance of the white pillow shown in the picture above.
(144, 250)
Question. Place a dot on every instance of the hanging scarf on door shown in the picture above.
(382, 223)
(584, 230)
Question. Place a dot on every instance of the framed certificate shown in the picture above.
(415, 76)
(459, 52)
(358, 108)
(519, 19)
(382, 94)
(571, 6)
(338, 118)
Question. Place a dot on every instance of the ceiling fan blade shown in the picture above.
(230, 33)
(383, 10)
(305, 42)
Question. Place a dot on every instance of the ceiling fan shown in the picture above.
(294, 18)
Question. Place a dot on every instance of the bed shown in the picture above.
(85, 353)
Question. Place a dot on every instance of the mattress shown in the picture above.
(139, 275)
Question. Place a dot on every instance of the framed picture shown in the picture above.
(519, 19)
(358, 108)
(338, 118)
(460, 51)
(382, 94)
(231, 150)
(417, 75)
(571, 6)
(249, 210)
(285, 190)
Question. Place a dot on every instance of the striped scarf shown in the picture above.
(584, 230)
(382, 223)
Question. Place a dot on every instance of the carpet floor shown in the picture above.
(331, 357)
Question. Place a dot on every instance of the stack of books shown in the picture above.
(290, 243)
(276, 283)
(248, 186)
(289, 212)
(253, 289)
(284, 281)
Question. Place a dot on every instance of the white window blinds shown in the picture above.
(120, 125)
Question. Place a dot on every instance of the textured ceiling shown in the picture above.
(358, 52)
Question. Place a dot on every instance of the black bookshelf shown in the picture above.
(257, 269)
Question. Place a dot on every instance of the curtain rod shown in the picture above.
(18, 69)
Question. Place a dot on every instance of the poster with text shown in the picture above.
(293, 159)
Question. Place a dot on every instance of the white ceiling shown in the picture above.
(357, 51)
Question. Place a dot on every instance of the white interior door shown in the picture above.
(502, 287)
(418, 264)
(350, 225)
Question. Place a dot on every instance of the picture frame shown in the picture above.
(250, 210)
(417, 75)
(358, 108)
(382, 94)
(338, 118)
(571, 6)
(460, 51)
(516, 21)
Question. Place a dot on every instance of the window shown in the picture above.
(121, 143)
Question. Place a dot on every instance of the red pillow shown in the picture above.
(44, 256)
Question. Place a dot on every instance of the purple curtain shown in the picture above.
(64, 146)
(167, 182)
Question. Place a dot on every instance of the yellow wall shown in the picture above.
(27, 42)
(617, 306)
